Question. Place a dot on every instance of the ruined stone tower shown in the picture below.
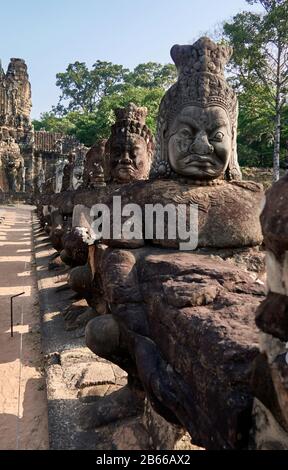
(16, 131)
(15, 93)
(28, 159)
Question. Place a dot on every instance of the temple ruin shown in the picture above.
(162, 327)
(31, 161)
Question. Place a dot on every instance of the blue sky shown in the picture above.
(49, 35)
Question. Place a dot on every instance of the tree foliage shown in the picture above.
(88, 97)
(82, 89)
(152, 75)
(259, 71)
(50, 122)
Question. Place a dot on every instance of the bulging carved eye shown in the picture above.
(218, 136)
(185, 133)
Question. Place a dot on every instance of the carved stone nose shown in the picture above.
(125, 158)
(201, 144)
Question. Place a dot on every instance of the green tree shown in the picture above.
(89, 127)
(88, 97)
(150, 98)
(50, 122)
(152, 75)
(255, 127)
(82, 89)
(259, 63)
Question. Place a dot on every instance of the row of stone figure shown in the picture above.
(12, 167)
(182, 323)
(130, 139)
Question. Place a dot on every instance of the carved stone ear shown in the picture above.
(175, 53)
(180, 55)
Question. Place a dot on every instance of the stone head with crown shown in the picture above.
(78, 167)
(197, 123)
(130, 145)
(96, 166)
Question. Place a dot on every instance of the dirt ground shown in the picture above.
(23, 403)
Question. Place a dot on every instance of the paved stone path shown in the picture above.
(23, 403)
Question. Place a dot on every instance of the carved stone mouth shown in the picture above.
(124, 168)
(199, 160)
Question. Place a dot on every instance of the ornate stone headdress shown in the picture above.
(201, 82)
(131, 120)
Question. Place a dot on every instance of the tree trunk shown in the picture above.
(276, 153)
(277, 131)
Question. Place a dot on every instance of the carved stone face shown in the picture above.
(129, 159)
(14, 164)
(200, 142)
(94, 173)
(77, 177)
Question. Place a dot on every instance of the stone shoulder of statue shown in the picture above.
(227, 213)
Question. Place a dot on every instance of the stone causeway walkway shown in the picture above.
(23, 403)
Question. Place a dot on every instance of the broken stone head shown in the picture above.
(78, 167)
(72, 176)
(96, 166)
(130, 145)
(197, 124)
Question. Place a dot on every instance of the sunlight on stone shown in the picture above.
(15, 243)
(7, 259)
(24, 274)
(20, 329)
(12, 290)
